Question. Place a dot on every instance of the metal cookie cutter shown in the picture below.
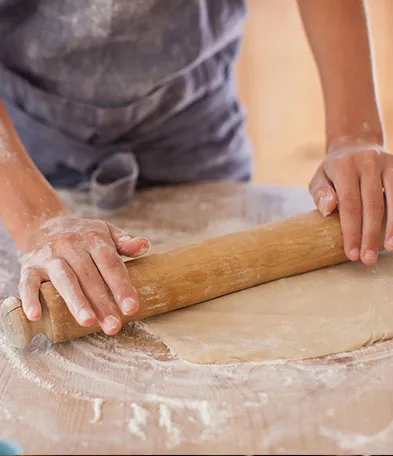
(113, 182)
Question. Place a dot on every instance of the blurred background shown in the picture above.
(279, 86)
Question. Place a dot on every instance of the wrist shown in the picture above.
(28, 202)
(355, 142)
(346, 125)
(25, 235)
(356, 133)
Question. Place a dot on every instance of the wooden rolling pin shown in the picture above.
(198, 272)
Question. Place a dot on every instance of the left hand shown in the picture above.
(357, 178)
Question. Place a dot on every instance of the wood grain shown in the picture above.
(339, 405)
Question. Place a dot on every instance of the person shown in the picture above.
(85, 81)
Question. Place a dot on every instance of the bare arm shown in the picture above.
(356, 168)
(338, 36)
(80, 257)
(26, 198)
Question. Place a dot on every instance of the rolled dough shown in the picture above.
(323, 312)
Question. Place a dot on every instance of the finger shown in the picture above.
(95, 291)
(66, 283)
(29, 288)
(373, 210)
(388, 185)
(347, 186)
(323, 193)
(127, 244)
(114, 273)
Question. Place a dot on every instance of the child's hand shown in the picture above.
(81, 256)
(358, 179)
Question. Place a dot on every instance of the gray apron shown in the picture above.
(113, 93)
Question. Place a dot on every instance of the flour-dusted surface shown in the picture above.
(131, 395)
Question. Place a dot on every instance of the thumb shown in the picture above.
(127, 244)
(323, 193)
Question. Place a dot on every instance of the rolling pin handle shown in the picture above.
(18, 328)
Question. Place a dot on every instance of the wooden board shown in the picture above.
(130, 395)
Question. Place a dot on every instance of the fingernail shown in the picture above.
(85, 315)
(110, 323)
(142, 251)
(145, 247)
(389, 243)
(323, 204)
(128, 306)
(354, 254)
(32, 315)
(370, 256)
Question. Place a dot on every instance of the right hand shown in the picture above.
(81, 258)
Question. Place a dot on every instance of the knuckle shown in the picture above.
(370, 158)
(27, 271)
(371, 154)
(341, 161)
(50, 249)
(350, 204)
(27, 275)
(23, 283)
(352, 210)
(97, 239)
(69, 238)
(124, 290)
(57, 265)
(109, 259)
(57, 262)
(92, 235)
(103, 310)
(371, 240)
(102, 226)
(99, 227)
(61, 244)
(376, 206)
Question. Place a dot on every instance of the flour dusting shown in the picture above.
(13, 357)
(6, 153)
(165, 421)
(139, 421)
(153, 399)
(356, 441)
(97, 410)
(7, 414)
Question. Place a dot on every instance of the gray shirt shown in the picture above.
(85, 79)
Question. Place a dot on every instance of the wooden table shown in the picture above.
(131, 395)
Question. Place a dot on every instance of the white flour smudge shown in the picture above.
(97, 410)
(7, 414)
(356, 441)
(139, 421)
(5, 144)
(165, 421)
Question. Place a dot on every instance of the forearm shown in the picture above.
(338, 35)
(26, 198)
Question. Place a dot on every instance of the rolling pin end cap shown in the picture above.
(8, 305)
(16, 326)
